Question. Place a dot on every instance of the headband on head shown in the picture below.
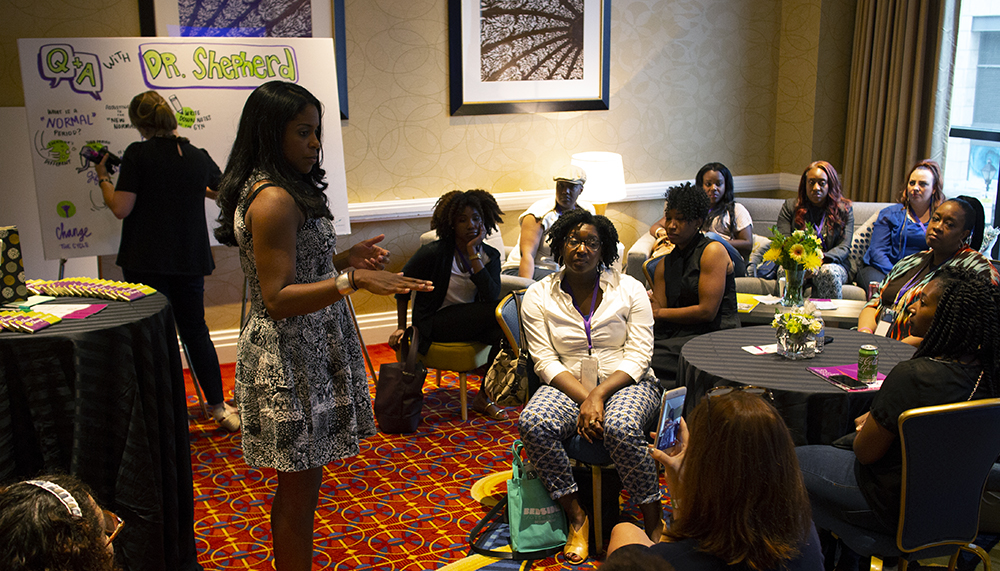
(65, 497)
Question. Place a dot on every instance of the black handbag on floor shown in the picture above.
(399, 393)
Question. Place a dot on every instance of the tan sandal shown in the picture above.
(577, 544)
(227, 418)
(489, 410)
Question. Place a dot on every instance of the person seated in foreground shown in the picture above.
(531, 257)
(466, 276)
(901, 229)
(589, 329)
(957, 316)
(52, 522)
(694, 286)
(727, 222)
(821, 204)
(954, 235)
(737, 494)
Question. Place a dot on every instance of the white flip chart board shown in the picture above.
(77, 91)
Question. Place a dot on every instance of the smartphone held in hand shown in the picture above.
(671, 407)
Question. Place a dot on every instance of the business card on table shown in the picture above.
(824, 304)
(761, 349)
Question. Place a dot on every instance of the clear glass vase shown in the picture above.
(794, 280)
(795, 347)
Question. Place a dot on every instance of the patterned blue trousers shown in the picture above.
(550, 417)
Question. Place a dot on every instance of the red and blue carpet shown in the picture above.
(406, 502)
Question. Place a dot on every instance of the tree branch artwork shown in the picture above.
(531, 40)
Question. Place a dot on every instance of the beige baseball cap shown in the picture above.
(571, 173)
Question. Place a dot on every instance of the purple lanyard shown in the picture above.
(906, 219)
(464, 262)
(587, 318)
(819, 232)
(906, 287)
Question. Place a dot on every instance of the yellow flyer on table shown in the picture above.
(745, 302)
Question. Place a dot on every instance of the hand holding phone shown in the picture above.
(671, 407)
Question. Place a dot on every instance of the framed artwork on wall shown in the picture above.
(518, 56)
(255, 18)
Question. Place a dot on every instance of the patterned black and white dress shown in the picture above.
(300, 381)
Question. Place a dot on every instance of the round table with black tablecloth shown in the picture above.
(102, 398)
(816, 411)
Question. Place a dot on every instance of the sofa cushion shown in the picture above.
(764, 212)
(859, 245)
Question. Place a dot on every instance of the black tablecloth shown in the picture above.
(816, 411)
(103, 398)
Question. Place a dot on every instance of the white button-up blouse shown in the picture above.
(621, 329)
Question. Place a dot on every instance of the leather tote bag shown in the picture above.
(399, 393)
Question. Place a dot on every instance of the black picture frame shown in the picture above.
(462, 103)
(147, 27)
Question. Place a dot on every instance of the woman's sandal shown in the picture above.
(577, 543)
(490, 410)
(229, 419)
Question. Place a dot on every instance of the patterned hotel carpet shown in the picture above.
(404, 503)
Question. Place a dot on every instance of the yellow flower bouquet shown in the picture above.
(800, 251)
(802, 248)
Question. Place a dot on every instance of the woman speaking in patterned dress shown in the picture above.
(300, 379)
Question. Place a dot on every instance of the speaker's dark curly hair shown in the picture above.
(38, 532)
(451, 205)
(570, 221)
(259, 148)
(689, 200)
(966, 323)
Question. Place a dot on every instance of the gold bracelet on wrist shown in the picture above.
(343, 283)
(478, 256)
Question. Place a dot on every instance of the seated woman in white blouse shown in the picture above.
(589, 329)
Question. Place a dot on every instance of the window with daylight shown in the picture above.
(973, 160)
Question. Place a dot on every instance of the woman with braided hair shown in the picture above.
(958, 316)
(954, 235)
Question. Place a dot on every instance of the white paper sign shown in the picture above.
(77, 91)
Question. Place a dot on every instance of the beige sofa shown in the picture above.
(764, 212)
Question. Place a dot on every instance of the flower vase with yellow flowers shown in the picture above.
(795, 254)
(796, 331)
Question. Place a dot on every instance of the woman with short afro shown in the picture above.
(694, 286)
(466, 275)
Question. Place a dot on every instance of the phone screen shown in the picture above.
(670, 417)
(848, 382)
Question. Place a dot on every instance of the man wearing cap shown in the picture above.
(532, 258)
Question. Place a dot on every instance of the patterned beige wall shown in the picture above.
(813, 76)
(692, 81)
(796, 87)
(836, 38)
(56, 19)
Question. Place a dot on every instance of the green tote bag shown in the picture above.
(536, 522)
